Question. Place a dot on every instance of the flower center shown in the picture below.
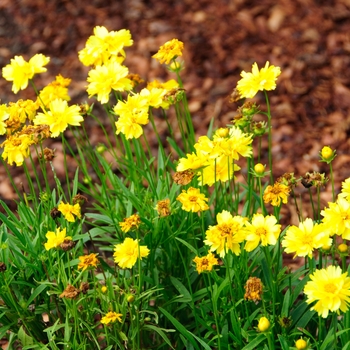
(260, 231)
(192, 198)
(225, 230)
(330, 288)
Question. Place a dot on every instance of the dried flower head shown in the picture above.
(55, 213)
(84, 287)
(48, 154)
(288, 179)
(67, 245)
(183, 177)
(2, 267)
(253, 289)
(163, 207)
(70, 292)
(79, 199)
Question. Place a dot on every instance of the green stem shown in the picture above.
(269, 126)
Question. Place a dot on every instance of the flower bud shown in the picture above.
(343, 248)
(259, 169)
(222, 132)
(301, 344)
(264, 324)
(327, 154)
(130, 298)
(104, 289)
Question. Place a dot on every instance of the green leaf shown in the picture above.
(283, 342)
(182, 290)
(160, 331)
(255, 342)
(24, 337)
(189, 246)
(36, 292)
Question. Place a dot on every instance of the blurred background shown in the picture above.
(308, 39)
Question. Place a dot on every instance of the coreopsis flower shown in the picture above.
(253, 289)
(169, 51)
(103, 79)
(183, 177)
(130, 223)
(87, 261)
(330, 288)
(304, 239)
(345, 190)
(337, 218)
(58, 89)
(70, 211)
(4, 115)
(163, 207)
(264, 324)
(155, 96)
(132, 114)
(262, 229)
(126, 253)
(193, 200)
(191, 162)
(70, 292)
(238, 144)
(111, 317)
(258, 80)
(206, 263)
(301, 344)
(276, 194)
(169, 91)
(58, 116)
(227, 234)
(20, 71)
(55, 239)
(16, 148)
(103, 45)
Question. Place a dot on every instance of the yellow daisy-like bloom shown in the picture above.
(22, 110)
(206, 263)
(16, 148)
(345, 190)
(227, 234)
(191, 162)
(337, 218)
(20, 71)
(154, 96)
(262, 229)
(129, 223)
(304, 239)
(251, 83)
(103, 79)
(4, 115)
(238, 144)
(103, 45)
(87, 261)
(132, 114)
(69, 211)
(330, 288)
(55, 239)
(59, 116)
(193, 200)
(276, 193)
(169, 51)
(111, 317)
(58, 89)
(126, 253)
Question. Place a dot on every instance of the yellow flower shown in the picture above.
(111, 317)
(205, 263)
(104, 289)
(227, 234)
(86, 261)
(16, 148)
(55, 90)
(133, 113)
(191, 162)
(54, 240)
(337, 218)
(69, 211)
(104, 79)
(126, 253)
(103, 45)
(20, 71)
(251, 83)
(304, 239)
(169, 51)
(259, 169)
(129, 223)
(193, 200)
(238, 143)
(59, 116)
(264, 324)
(261, 229)
(276, 193)
(343, 249)
(301, 344)
(4, 115)
(21, 111)
(345, 190)
(330, 288)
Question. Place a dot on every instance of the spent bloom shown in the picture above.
(262, 229)
(111, 317)
(169, 51)
(304, 239)
(87, 261)
(129, 223)
(70, 211)
(193, 200)
(4, 115)
(58, 116)
(330, 288)
(20, 71)
(227, 234)
(206, 263)
(55, 239)
(126, 253)
(276, 194)
(253, 289)
(258, 80)
(163, 207)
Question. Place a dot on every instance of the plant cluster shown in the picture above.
(161, 249)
